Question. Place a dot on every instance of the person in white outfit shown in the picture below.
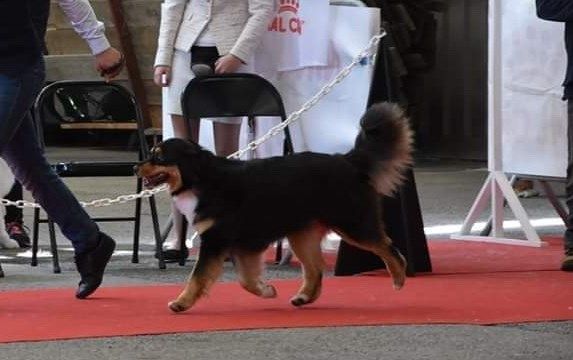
(223, 34)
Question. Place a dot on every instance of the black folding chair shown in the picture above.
(234, 95)
(95, 106)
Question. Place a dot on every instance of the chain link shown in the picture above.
(367, 51)
(325, 90)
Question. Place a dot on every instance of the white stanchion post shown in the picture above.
(497, 187)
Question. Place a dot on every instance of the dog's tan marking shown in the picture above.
(203, 225)
(395, 262)
(306, 246)
(250, 267)
(204, 274)
(174, 180)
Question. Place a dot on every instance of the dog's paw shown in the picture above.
(268, 292)
(299, 300)
(176, 307)
(399, 283)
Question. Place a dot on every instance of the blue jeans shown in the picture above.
(20, 148)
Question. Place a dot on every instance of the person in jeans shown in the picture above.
(562, 10)
(222, 35)
(22, 73)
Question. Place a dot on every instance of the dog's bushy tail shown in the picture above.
(383, 148)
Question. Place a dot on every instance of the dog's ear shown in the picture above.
(190, 162)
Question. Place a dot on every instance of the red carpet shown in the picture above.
(473, 283)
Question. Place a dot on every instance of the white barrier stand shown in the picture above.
(497, 187)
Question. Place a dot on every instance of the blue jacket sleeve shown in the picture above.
(555, 10)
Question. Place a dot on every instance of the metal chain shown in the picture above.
(367, 51)
(122, 199)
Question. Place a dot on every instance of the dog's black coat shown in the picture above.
(256, 202)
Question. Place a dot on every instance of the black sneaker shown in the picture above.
(567, 262)
(18, 232)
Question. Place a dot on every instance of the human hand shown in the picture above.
(109, 63)
(162, 75)
(227, 64)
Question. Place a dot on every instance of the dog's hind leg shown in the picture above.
(394, 260)
(206, 271)
(306, 246)
(250, 267)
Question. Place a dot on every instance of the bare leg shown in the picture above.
(183, 129)
(306, 246)
(173, 243)
(226, 138)
(250, 267)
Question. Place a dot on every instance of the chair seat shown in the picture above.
(93, 169)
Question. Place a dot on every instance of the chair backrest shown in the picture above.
(90, 105)
(231, 95)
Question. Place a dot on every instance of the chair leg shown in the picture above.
(1, 271)
(35, 229)
(182, 241)
(54, 247)
(167, 228)
(550, 194)
(287, 149)
(157, 233)
(279, 252)
(251, 136)
(287, 145)
(136, 225)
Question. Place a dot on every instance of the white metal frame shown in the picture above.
(497, 187)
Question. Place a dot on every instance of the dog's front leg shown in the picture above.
(306, 246)
(207, 269)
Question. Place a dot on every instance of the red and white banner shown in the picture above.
(332, 124)
(297, 37)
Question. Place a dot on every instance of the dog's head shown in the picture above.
(166, 164)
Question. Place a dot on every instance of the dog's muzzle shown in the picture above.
(150, 179)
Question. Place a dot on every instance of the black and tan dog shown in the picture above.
(239, 208)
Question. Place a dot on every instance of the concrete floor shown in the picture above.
(446, 190)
